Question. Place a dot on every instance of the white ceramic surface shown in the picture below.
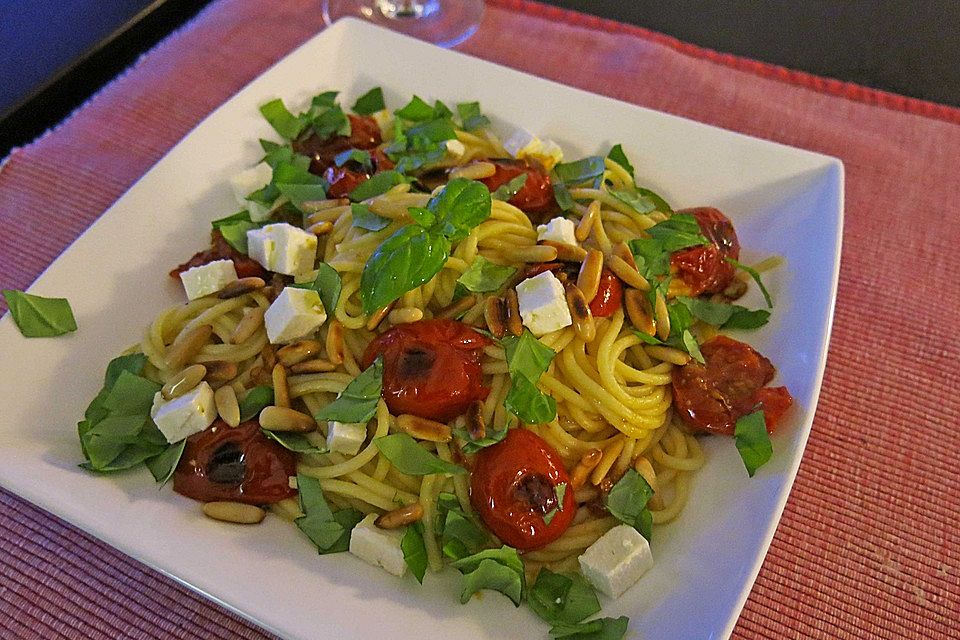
(783, 201)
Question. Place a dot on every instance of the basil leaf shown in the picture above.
(634, 200)
(414, 161)
(295, 442)
(39, 317)
(746, 319)
(472, 446)
(329, 531)
(727, 316)
(327, 285)
(526, 355)
(753, 441)
(627, 502)
(424, 137)
(163, 465)
(617, 155)
(483, 276)
(460, 534)
(254, 402)
(325, 99)
(364, 218)
(236, 234)
(561, 194)
(653, 261)
(460, 206)
(423, 217)
(358, 402)
(359, 156)
(561, 599)
(404, 261)
(756, 278)
(416, 110)
(415, 550)
(506, 191)
(692, 346)
(441, 110)
(239, 216)
(527, 360)
(528, 403)
(647, 338)
(599, 629)
(330, 122)
(496, 569)
(659, 203)
(131, 363)
(131, 395)
(280, 118)
(269, 146)
(580, 171)
(370, 102)
(680, 320)
(376, 185)
(410, 458)
(679, 231)
(470, 116)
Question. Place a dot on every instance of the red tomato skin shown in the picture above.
(431, 368)
(712, 397)
(609, 295)
(267, 466)
(342, 181)
(536, 195)
(220, 249)
(704, 269)
(364, 134)
(498, 472)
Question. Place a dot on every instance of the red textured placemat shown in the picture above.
(868, 545)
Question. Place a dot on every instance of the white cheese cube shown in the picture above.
(208, 278)
(250, 180)
(523, 144)
(558, 230)
(520, 141)
(616, 561)
(456, 148)
(185, 415)
(346, 437)
(294, 314)
(379, 547)
(283, 248)
(543, 304)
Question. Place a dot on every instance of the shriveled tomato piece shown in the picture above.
(712, 397)
(536, 195)
(609, 295)
(220, 249)
(704, 269)
(343, 180)
(514, 485)
(431, 368)
(364, 134)
(239, 464)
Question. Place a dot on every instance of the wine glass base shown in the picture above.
(446, 23)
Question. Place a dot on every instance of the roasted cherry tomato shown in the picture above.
(609, 295)
(343, 180)
(364, 134)
(536, 195)
(514, 485)
(431, 368)
(239, 464)
(732, 383)
(704, 269)
(220, 249)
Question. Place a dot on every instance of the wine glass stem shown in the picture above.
(401, 9)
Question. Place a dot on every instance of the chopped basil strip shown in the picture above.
(416, 110)
(753, 441)
(725, 316)
(506, 191)
(470, 116)
(641, 200)
(527, 360)
(358, 402)
(580, 171)
(39, 317)
(422, 216)
(254, 402)
(561, 194)
(327, 285)
(560, 599)
(370, 102)
(364, 218)
(627, 502)
(415, 550)
(359, 156)
(459, 534)
(495, 569)
(472, 446)
(653, 261)
(280, 118)
(328, 530)
(646, 337)
(295, 442)
(483, 276)
(408, 457)
(326, 118)
(617, 155)
(377, 185)
(599, 629)
(236, 234)
(692, 346)
(756, 278)
(679, 231)
(163, 465)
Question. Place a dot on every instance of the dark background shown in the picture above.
(55, 53)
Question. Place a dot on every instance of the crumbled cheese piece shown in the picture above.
(456, 148)
(379, 547)
(616, 561)
(250, 180)
(346, 437)
(543, 304)
(185, 415)
(207, 278)
(558, 230)
(294, 314)
(283, 248)
(523, 144)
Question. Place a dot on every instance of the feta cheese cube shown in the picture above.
(558, 230)
(185, 415)
(346, 437)
(523, 144)
(250, 180)
(456, 148)
(379, 547)
(520, 141)
(208, 278)
(283, 248)
(543, 304)
(616, 561)
(294, 314)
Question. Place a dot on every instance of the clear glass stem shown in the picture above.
(406, 9)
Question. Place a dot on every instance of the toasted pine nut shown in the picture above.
(227, 406)
(188, 345)
(475, 425)
(667, 354)
(377, 316)
(313, 366)
(535, 253)
(321, 228)
(474, 171)
(566, 252)
(256, 373)
(277, 418)
(455, 309)
(662, 316)
(424, 429)
(299, 351)
(512, 308)
(629, 274)
(240, 287)
(183, 381)
(405, 315)
(236, 512)
(281, 390)
(588, 461)
(583, 322)
(495, 314)
(623, 252)
(645, 469)
(610, 454)
(590, 217)
(251, 321)
(588, 281)
(638, 310)
(221, 371)
(336, 350)
(400, 516)
(269, 357)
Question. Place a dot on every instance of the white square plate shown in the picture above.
(783, 201)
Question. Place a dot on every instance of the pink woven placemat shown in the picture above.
(868, 545)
